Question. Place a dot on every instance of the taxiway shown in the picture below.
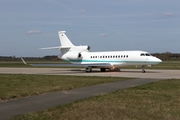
(135, 73)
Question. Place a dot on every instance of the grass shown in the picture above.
(20, 85)
(21, 64)
(164, 65)
(158, 100)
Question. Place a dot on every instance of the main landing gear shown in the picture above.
(89, 69)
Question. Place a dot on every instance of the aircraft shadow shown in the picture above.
(108, 71)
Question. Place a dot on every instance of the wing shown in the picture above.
(68, 65)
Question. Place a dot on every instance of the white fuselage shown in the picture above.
(114, 58)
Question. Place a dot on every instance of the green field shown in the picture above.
(158, 100)
(21, 64)
(13, 86)
(164, 65)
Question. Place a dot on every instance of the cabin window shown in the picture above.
(126, 56)
(119, 56)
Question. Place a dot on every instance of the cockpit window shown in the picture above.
(147, 54)
(142, 54)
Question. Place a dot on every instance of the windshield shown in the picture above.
(145, 54)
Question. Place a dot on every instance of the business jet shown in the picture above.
(108, 60)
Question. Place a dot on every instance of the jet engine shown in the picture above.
(85, 48)
(75, 56)
(75, 52)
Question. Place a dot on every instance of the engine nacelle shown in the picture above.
(74, 56)
(75, 52)
(85, 48)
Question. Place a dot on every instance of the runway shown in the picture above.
(40, 102)
(135, 73)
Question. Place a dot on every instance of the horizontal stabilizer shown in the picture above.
(58, 47)
(50, 48)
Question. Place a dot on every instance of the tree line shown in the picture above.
(167, 56)
(163, 56)
(14, 58)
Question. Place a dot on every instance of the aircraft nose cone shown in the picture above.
(159, 60)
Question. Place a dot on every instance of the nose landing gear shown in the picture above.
(88, 69)
(143, 71)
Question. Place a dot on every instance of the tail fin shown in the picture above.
(64, 39)
(65, 42)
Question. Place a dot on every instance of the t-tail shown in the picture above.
(64, 40)
(68, 50)
(66, 44)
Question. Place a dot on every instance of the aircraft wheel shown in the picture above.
(88, 69)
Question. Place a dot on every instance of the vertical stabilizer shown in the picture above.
(64, 39)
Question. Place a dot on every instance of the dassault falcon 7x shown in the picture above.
(81, 56)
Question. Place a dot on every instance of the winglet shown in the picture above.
(23, 61)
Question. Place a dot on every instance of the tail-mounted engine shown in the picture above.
(85, 48)
(74, 56)
(75, 52)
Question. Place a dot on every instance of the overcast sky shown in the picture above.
(105, 25)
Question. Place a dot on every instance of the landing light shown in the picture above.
(113, 67)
